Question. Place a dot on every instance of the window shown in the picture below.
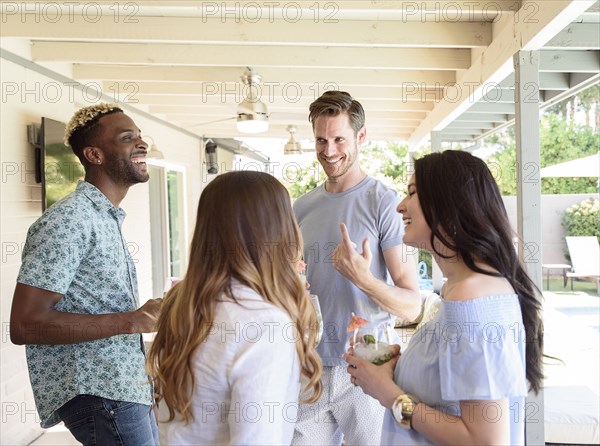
(175, 219)
(167, 226)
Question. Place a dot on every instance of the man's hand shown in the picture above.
(147, 315)
(352, 265)
(34, 320)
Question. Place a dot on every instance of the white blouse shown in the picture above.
(247, 378)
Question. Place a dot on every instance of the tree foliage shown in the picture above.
(559, 141)
(307, 179)
(386, 161)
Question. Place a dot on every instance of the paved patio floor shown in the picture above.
(571, 393)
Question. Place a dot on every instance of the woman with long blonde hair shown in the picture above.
(235, 335)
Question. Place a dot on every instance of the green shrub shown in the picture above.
(582, 219)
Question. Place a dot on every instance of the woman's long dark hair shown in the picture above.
(463, 207)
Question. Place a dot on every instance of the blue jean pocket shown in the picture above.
(101, 421)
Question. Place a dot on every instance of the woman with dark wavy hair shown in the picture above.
(237, 332)
(463, 377)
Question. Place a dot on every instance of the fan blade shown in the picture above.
(211, 122)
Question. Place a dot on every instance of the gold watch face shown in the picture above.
(402, 411)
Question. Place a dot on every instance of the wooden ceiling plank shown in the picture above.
(548, 81)
(192, 30)
(483, 117)
(392, 117)
(570, 61)
(576, 36)
(318, 79)
(255, 56)
(153, 99)
(489, 6)
(271, 92)
(492, 107)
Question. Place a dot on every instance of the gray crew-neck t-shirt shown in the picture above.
(368, 210)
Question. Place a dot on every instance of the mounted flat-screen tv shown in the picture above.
(59, 167)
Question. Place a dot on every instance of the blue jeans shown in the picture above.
(99, 421)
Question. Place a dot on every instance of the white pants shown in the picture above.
(342, 412)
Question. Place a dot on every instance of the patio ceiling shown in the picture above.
(416, 66)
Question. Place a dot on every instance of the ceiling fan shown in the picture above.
(293, 147)
(252, 115)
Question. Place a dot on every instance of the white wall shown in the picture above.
(553, 237)
(20, 199)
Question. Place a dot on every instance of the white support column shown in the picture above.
(436, 273)
(527, 131)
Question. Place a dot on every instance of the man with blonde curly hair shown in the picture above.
(75, 306)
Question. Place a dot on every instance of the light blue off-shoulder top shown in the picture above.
(470, 350)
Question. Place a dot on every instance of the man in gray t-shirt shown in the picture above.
(375, 281)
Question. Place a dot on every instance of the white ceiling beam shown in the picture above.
(255, 56)
(469, 125)
(302, 113)
(559, 79)
(280, 131)
(482, 117)
(463, 139)
(556, 14)
(299, 116)
(583, 82)
(458, 131)
(116, 72)
(399, 138)
(465, 6)
(492, 107)
(319, 79)
(576, 36)
(576, 80)
(496, 95)
(380, 109)
(215, 106)
(151, 99)
(551, 97)
(575, 61)
(197, 30)
(495, 63)
(269, 92)
(266, 12)
(216, 122)
(548, 81)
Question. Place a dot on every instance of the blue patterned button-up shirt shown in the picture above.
(76, 248)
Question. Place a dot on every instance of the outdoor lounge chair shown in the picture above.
(585, 258)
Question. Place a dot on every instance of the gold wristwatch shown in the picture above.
(402, 410)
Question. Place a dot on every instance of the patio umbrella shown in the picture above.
(582, 167)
